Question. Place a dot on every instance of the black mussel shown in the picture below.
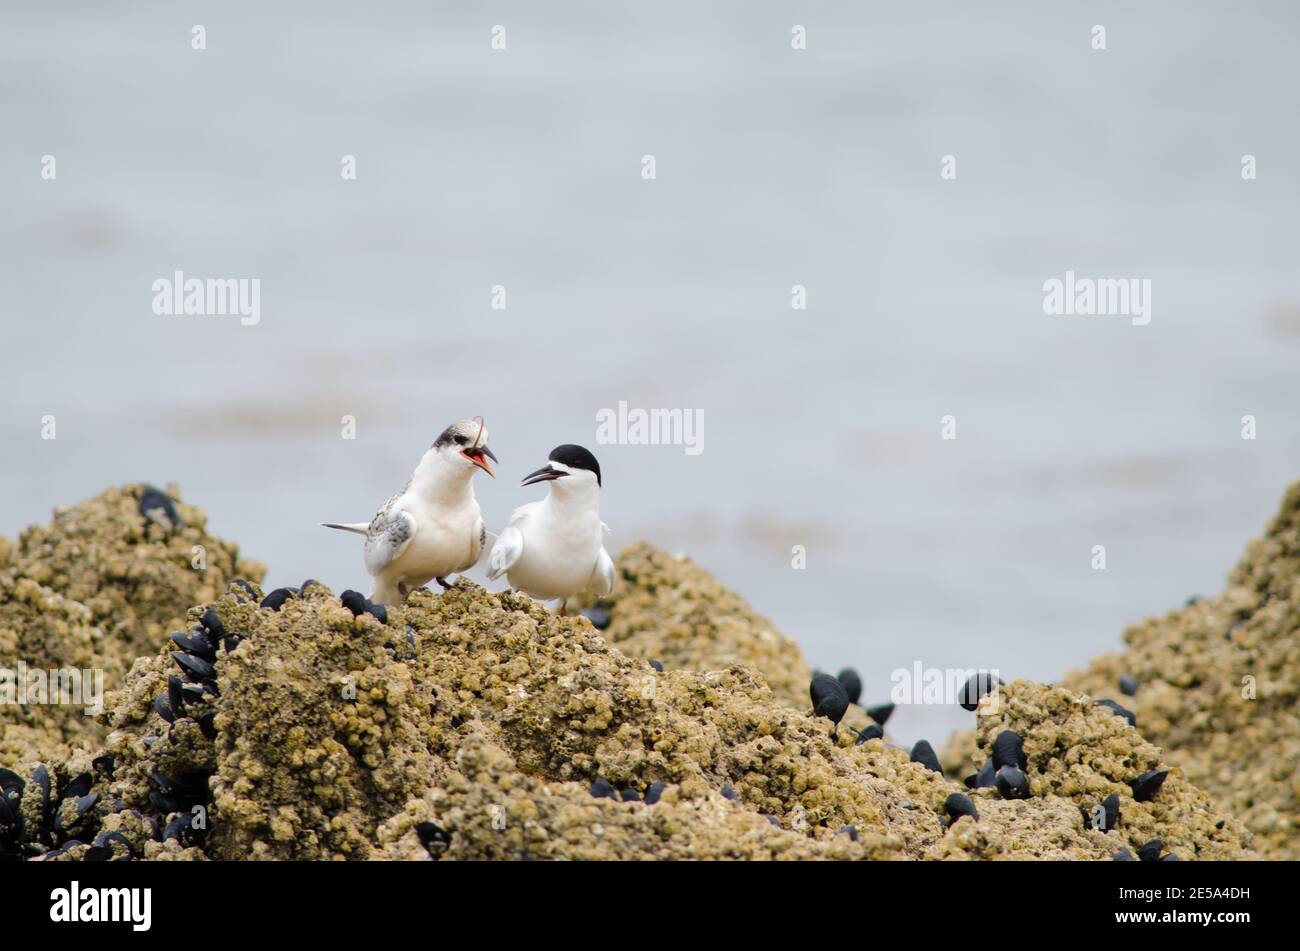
(881, 712)
(978, 686)
(208, 725)
(197, 644)
(82, 805)
(176, 826)
(655, 791)
(1123, 855)
(1105, 815)
(873, 731)
(603, 789)
(163, 708)
(212, 624)
(77, 787)
(850, 831)
(432, 836)
(1012, 783)
(275, 600)
(1150, 852)
(176, 693)
(1169, 857)
(1148, 784)
(41, 777)
(11, 784)
(1119, 711)
(924, 754)
(629, 795)
(599, 617)
(728, 792)
(354, 601)
(157, 507)
(1128, 685)
(958, 805)
(196, 668)
(657, 665)
(851, 682)
(829, 698)
(231, 641)
(1009, 750)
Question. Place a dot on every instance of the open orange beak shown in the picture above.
(479, 456)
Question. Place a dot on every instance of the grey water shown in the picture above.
(774, 167)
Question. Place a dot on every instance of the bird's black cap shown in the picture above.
(575, 457)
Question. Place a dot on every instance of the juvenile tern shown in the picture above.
(433, 527)
(552, 548)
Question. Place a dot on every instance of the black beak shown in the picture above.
(488, 452)
(545, 474)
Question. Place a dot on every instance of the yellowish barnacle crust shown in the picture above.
(95, 589)
(1219, 686)
(472, 725)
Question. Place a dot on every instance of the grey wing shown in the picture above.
(602, 576)
(510, 545)
(478, 544)
(390, 533)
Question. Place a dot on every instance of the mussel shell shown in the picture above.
(979, 685)
(194, 667)
(924, 754)
(958, 805)
(829, 697)
(1119, 711)
(198, 644)
(881, 712)
(212, 624)
(1148, 784)
(1009, 750)
(275, 600)
(873, 731)
(599, 617)
(851, 682)
(1012, 783)
(354, 601)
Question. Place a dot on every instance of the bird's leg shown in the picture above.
(564, 607)
(443, 582)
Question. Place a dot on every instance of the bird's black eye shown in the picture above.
(462, 440)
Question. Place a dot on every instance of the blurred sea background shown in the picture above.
(522, 168)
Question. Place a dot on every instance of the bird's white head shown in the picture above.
(569, 469)
(464, 445)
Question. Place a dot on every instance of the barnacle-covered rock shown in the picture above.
(477, 725)
(137, 572)
(474, 725)
(1217, 686)
(665, 607)
(90, 592)
(42, 631)
(1083, 753)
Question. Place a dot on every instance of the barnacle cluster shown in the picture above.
(1217, 686)
(468, 724)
